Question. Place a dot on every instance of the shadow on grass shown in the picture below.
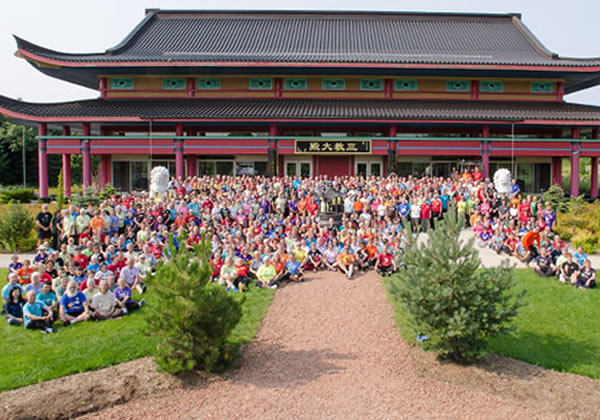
(274, 366)
(548, 350)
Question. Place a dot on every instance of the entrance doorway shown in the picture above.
(301, 168)
(366, 168)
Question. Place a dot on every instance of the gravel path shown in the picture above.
(328, 348)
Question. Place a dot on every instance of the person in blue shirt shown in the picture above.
(580, 256)
(445, 198)
(73, 306)
(13, 279)
(515, 188)
(37, 315)
(294, 269)
(48, 298)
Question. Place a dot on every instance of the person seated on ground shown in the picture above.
(568, 270)
(497, 241)
(300, 253)
(13, 282)
(330, 257)
(314, 259)
(386, 265)
(123, 297)
(13, 307)
(73, 305)
(48, 298)
(132, 276)
(294, 269)
(90, 291)
(103, 304)
(37, 316)
(254, 264)
(25, 272)
(266, 276)
(580, 256)
(112, 283)
(36, 284)
(345, 261)
(586, 278)
(243, 275)
(362, 257)
(143, 266)
(60, 285)
(373, 251)
(543, 264)
(562, 258)
(228, 275)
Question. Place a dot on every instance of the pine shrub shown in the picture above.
(450, 298)
(190, 316)
(15, 228)
(21, 195)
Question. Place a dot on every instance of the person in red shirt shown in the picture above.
(436, 209)
(477, 176)
(117, 265)
(386, 265)
(426, 221)
(524, 211)
(80, 258)
(243, 277)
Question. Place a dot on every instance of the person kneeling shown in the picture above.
(123, 297)
(386, 265)
(73, 306)
(104, 304)
(543, 264)
(37, 316)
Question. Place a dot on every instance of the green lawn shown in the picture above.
(558, 329)
(28, 357)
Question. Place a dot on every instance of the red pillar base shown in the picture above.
(191, 165)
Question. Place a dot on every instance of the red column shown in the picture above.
(557, 171)
(575, 163)
(474, 89)
(104, 170)
(389, 88)
(278, 87)
(485, 152)
(191, 159)
(86, 159)
(66, 166)
(190, 87)
(179, 170)
(102, 87)
(594, 174)
(43, 160)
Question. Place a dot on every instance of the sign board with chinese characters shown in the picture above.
(333, 146)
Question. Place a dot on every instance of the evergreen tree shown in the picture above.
(450, 298)
(191, 317)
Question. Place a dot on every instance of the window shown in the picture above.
(371, 84)
(492, 86)
(295, 84)
(457, 85)
(251, 168)
(263, 83)
(173, 83)
(121, 83)
(139, 175)
(406, 84)
(224, 168)
(542, 87)
(208, 83)
(333, 84)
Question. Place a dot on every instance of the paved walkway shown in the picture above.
(328, 348)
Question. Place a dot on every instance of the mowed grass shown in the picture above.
(558, 329)
(28, 357)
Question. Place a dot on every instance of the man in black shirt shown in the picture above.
(543, 264)
(43, 221)
(569, 270)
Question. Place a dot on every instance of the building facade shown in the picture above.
(318, 93)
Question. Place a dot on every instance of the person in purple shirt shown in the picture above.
(549, 216)
(123, 297)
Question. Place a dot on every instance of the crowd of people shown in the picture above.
(266, 231)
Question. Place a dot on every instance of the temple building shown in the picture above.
(309, 93)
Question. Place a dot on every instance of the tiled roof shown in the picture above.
(298, 109)
(325, 37)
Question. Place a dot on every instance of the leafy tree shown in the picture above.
(191, 317)
(15, 228)
(450, 298)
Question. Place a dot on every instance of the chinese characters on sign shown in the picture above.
(333, 146)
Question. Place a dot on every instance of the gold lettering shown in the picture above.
(339, 147)
(351, 147)
(326, 147)
(314, 146)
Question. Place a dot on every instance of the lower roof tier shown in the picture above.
(273, 110)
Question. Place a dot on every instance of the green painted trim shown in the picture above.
(458, 85)
(121, 83)
(208, 83)
(295, 84)
(165, 137)
(491, 86)
(371, 84)
(260, 83)
(406, 84)
(542, 87)
(333, 84)
(173, 83)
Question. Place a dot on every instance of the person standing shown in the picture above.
(43, 221)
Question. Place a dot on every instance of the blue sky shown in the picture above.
(567, 28)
